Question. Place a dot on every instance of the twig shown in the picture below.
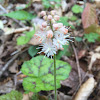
(19, 30)
(77, 62)
(5, 11)
(15, 77)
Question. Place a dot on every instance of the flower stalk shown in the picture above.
(55, 76)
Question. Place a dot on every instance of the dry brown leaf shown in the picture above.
(13, 68)
(97, 2)
(62, 96)
(97, 49)
(81, 54)
(94, 56)
(85, 90)
(27, 96)
(7, 87)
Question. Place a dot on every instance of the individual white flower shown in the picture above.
(45, 17)
(48, 48)
(49, 17)
(53, 12)
(60, 25)
(43, 13)
(44, 24)
(41, 36)
(49, 34)
(56, 17)
(63, 29)
(55, 26)
(60, 39)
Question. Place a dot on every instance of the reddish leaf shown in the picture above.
(89, 16)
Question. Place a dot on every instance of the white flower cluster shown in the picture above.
(51, 35)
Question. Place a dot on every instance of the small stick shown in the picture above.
(77, 62)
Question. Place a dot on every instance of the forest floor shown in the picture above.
(83, 54)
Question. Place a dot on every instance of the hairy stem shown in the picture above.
(55, 76)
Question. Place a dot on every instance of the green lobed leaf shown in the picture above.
(33, 51)
(20, 15)
(13, 95)
(25, 39)
(40, 72)
(77, 9)
(91, 37)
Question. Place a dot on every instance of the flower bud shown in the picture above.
(53, 21)
(55, 26)
(43, 13)
(45, 17)
(56, 17)
(60, 25)
(49, 34)
(49, 17)
(44, 24)
(65, 31)
(47, 28)
(41, 28)
(53, 12)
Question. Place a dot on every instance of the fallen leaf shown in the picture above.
(62, 96)
(86, 89)
(94, 56)
(81, 54)
(13, 68)
(27, 96)
(97, 2)
(7, 87)
(89, 16)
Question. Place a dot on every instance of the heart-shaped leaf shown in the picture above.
(40, 72)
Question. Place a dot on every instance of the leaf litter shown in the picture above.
(89, 52)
